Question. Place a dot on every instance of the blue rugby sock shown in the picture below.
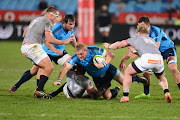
(25, 77)
(178, 85)
(114, 92)
(134, 78)
(146, 89)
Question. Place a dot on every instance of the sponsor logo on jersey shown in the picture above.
(90, 84)
(59, 31)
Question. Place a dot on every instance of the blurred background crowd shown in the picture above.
(118, 15)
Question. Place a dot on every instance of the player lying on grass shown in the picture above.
(102, 74)
(150, 58)
(79, 86)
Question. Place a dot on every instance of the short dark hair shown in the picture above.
(69, 17)
(144, 19)
(51, 9)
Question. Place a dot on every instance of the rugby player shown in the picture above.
(102, 74)
(38, 32)
(56, 53)
(79, 86)
(61, 31)
(167, 49)
(150, 58)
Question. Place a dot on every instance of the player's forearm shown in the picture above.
(55, 41)
(51, 47)
(50, 39)
(74, 43)
(62, 73)
(126, 56)
(64, 70)
(118, 45)
(109, 57)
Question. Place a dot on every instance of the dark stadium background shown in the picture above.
(15, 15)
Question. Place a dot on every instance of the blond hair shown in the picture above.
(80, 46)
(142, 29)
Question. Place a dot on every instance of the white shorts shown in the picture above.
(104, 29)
(66, 93)
(150, 61)
(33, 52)
(63, 59)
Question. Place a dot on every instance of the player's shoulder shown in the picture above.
(44, 19)
(74, 57)
(58, 26)
(93, 47)
(155, 27)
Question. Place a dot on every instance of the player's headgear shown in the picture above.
(51, 9)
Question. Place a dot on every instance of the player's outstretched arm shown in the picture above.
(116, 45)
(63, 72)
(74, 42)
(52, 48)
(109, 56)
(50, 39)
(122, 65)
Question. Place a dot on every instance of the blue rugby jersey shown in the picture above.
(158, 35)
(60, 34)
(88, 64)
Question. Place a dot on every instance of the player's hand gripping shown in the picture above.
(99, 65)
(57, 83)
(122, 66)
(68, 40)
(106, 45)
(59, 52)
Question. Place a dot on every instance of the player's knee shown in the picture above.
(49, 68)
(173, 69)
(34, 70)
(107, 95)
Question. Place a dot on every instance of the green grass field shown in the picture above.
(22, 105)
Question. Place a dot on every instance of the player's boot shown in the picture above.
(124, 99)
(142, 96)
(141, 79)
(118, 88)
(41, 94)
(12, 90)
(168, 97)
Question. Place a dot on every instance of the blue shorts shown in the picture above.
(105, 81)
(55, 58)
(168, 53)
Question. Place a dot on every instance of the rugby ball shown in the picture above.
(99, 58)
